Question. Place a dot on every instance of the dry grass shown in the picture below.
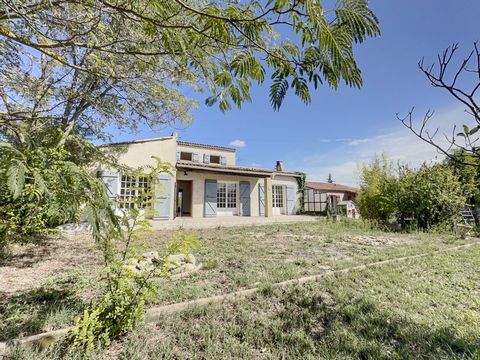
(44, 286)
(29, 266)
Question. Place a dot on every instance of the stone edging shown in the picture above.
(155, 313)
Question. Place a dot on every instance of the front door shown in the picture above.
(184, 198)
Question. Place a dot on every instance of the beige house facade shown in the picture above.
(206, 181)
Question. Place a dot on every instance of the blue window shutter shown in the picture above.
(162, 194)
(244, 198)
(261, 200)
(178, 155)
(290, 200)
(206, 158)
(195, 157)
(210, 209)
(223, 160)
(110, 179)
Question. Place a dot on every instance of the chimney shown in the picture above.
(279, 166)
(174, 135)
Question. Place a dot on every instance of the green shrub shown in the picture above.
(422, 198)
(128, 289)
(40, 187)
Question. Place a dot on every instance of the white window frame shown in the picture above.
(278, 200)
(226, 195)
(130, 187)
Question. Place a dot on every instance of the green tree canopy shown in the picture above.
(71, 70)
(82, 66)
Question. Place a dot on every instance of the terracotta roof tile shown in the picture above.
(325, 186)
(233, 168)
(221, 168)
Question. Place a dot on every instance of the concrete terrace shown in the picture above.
(226, 221)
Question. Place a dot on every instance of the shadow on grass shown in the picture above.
(51, 306)
(299, 323)
(35, 250)
(357, 328)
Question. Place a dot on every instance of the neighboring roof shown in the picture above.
(325, 186)
(205, 146)
(240, 170)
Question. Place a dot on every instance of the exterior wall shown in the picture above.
(140, 154)
(229, 155)
(285, 181)
(198, 186)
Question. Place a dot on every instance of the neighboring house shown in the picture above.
(207, 182)
(322, 195)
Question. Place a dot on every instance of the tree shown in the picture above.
(329, 179)
(82, 66)
(376, 198)
(464, 91)
(427, 196)
(71, 70)
(468, 175)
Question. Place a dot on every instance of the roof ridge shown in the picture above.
(206, 146)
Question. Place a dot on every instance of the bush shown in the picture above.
(422, 198)
(128, 289)
(41, 188)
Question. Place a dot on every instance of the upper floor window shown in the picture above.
(277, 196)
(186, 156)
(214, 159)
(132, 187)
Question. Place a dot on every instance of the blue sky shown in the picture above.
(342, 128)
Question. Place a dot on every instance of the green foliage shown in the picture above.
(469, 175)
(128, 62)
(423, 197)
(375, 198)
(301, 191)
(128, 289)
(40, 187)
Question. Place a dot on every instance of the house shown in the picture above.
(319, 196)
(206, 182)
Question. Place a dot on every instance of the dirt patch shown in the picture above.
(373, 240)
(30, 265)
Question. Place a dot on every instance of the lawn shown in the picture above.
(52, 288)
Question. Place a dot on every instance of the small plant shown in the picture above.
(301, 262)
(128, 289)
(209, 264)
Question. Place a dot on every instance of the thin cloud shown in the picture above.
(399, 144)
(356, 142)
(237, 143)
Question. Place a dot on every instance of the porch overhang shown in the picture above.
(222, 169)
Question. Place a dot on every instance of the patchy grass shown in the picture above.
(234, 258)
(240, 258)
(51, 306)
(421, 309)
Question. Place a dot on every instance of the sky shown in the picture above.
(341, 129)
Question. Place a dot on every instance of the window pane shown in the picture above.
(277, 196)
(221, 195)
(131, 187)
(232, 196)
